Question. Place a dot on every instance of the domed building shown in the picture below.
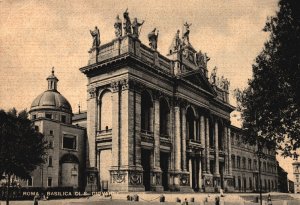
(51, 114)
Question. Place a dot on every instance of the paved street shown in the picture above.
(153, 199)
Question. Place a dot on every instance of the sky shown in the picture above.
(38, 35)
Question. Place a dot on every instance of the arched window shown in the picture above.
(105, 111)
(164, 117)
(146, 108)
(190, 122)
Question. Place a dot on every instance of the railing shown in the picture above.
(104, 135)
(104, 132)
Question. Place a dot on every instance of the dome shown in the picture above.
(51, 99)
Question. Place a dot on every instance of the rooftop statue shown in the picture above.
(135, 27)
(186, 33)
(226, 84)
(206, 59)
(118, 27)
(96, 37)
(176, 43)
(153, 36)
(127, 23)
(213, 76)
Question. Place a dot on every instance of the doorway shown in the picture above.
(146, 154)
(164, 165)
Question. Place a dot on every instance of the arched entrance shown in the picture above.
(69, 170)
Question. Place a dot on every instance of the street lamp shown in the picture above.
(259, 149)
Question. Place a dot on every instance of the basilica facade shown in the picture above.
(158, 122)
(153, 123)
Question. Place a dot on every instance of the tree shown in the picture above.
(270, 105)
(21, 147)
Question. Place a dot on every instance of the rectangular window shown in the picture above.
(50, 161)
(51, 132)
(33, 117)
(49, 116)
(30, 182)
(49, 182)
(238, 162)
(69, 142)
(51, 144)
(36, 128)
(63, 119)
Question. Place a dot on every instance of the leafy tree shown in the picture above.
(270, 105)
(21, 147)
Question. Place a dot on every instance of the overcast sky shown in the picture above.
(36, 35)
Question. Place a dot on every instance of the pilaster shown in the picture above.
(183, 141)
(216, 133)
(91, 126)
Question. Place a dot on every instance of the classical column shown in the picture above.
(200, 175)
(177, 139)
(191, 170)
(156, 135)
(216, 148)
(225, 149)
(183, 142)
(207, 146)
(116, 119)
(91, 126)
(127, 124)
(229, 151)
(195, 130)
(137, 128)
(202, 140)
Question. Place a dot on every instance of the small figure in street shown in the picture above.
(185, 202)
(36, 199)
(217, 200)
(269, 200)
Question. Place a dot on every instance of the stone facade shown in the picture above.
(169, 125)
(296, 171)
(245, 166)
(65, 157)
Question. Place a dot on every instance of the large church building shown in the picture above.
(153, 122)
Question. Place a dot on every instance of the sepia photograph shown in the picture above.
(150, 102)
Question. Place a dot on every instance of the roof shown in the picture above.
(51, 99)
(79, 116)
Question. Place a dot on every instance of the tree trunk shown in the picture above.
(7, 189)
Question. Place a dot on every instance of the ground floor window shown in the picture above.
(49, 182)
(30, 182)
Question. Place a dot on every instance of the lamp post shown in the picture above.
(259, 147)
(259, 155)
